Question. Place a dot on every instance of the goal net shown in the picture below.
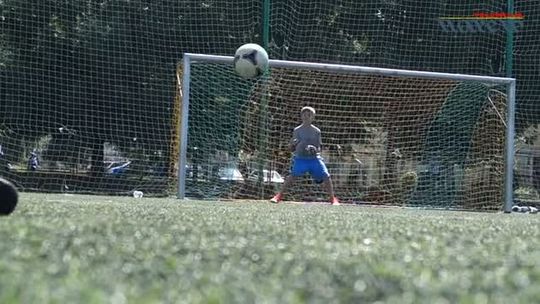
(389, 136)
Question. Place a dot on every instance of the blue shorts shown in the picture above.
(313, 166)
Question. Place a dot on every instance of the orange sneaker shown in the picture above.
(334, 201)
(276, 199)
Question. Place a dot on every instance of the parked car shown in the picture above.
(230, 174)
(269, 176)
(115, 168)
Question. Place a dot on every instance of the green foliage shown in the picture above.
(213, 94)
(527, 193)
(448, 143)
(408, 179)
(106, 68)
(528, 137)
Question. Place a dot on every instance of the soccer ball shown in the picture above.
(250, 60)
(8, 197)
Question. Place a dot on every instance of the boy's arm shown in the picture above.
(319, 147)
(293, 142)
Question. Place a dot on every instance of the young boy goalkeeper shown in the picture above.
(306, 145)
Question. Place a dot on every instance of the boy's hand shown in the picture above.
(311, 150)
(292, 144)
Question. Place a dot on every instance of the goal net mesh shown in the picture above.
(386, 140)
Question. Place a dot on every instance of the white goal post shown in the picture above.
(189, 60)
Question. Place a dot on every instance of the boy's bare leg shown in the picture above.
(288, 182)
(328, 185)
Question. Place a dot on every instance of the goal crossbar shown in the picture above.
(343, 68)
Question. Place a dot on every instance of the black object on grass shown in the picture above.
(8, 197)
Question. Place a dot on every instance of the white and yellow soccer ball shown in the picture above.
(250, 60)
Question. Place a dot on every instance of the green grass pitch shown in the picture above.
(92, 249)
